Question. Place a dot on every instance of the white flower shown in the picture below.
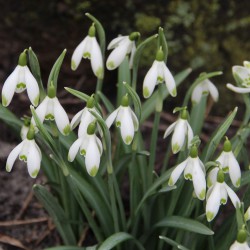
(239, 246)
(51, 109)
(182, 131)
(217, 194)
(193, 170)
(230, 164)
(158, 73)
(122, 46)
(204, 87)
(91, 147)
(242, 75)
(125, 119)
(20, 79)
(29, 152)
(89, 48)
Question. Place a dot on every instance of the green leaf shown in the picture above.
(163, 43)
(109, 106)
(53, 76)
(116, 239)
(72, 248)
(217, 136)
(56, 212)
(185, 224)
(172, 243)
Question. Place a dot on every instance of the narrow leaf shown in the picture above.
(109, 106)
(172, 243)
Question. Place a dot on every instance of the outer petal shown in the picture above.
(76, 119)
(169, 129)
(87, 118)
(92, 159)
(127, 127)
(197, 93)
(61, 117)
(9, 87)
(212, 177)
(179, 135)
(190, 134)
(242, 72)
(150, 80)
(77, 55)
(96, 59)
(169, 80)
(223, 160)
(32, 87)
(177, 172)
(213, 202)
(115, 42)
(213, 90)
(112, 117)
(99, 144)
(13, 155)
(41, 110)
(199, 181)
(238, 89)
(234, 198)
(134, 118)
(188, 173)
(74, 149)
(34, 160)
(223, 194)
(234, 170)
(239, 246)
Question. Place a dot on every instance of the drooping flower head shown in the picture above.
(27, 151)
(182, 132)
(194, 170)
(204, 87)
(51, 109)
(122, 45)
(241, 241)
(158, 73)
(19, 80)
(217, 194)
(89, 48)
(90, 147)
(126, 119)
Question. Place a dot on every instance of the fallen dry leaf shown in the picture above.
(12, 241)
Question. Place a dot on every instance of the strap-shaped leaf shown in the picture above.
(72, 248)
(116, 239)
(185, 224)
(172, 243)
(109, 106)
(57, 213)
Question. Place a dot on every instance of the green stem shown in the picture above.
(98, 88)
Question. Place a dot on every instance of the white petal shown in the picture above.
(118, 54)
(234, 198)
(92, 159)
(223, 160)
(134, 118)
(237, 89)
(239, 246)
(212, 177)
(74, 149)
(99, 144)
(127, 127)
(23, 155)
(213, 202)
(114, 43)
(96, 59)
(199, 181)
(9, 87)
(188, 173)
(169, 129)
(190, 134)
(34, 160)
(13, 155)
(32, 87)
(61, 117)
(76, 119)
(87, 118)
(112, 117)
(179, 135)
(197, 93)
(150, 80)
(170, 82)
(234, 170)
(77, 55)
(213, 90)
(223, 194)
(41, 111)
(242, 72)
(177, 172)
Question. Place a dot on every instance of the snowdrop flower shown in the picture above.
(89, 48)
(51, 109)
(90, 147)
(158, 73)
(194, 170)
(241, 242)
(217, 194)
(122, 45)
(25, 127)
(20, 79)
(27, 151)
(242, 76)
(182, 131)
(84, 117)
(230, 164)
(204, 87)
(125, 119)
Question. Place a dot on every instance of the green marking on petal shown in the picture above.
(49, 117)
(210, 216)
(225, 169)
(7, 168)
(159, 79)
(83, 152)
(146, 92)
(93, 171)
(21, 86)
(73, 65)
(66, 130)
(110, 65)
(34, 173)
(87, 55)
(174, 93)
(202, 194)
(128, 139)
(188, 177)
(4, 101)
(118, 124)
(209, 182)
(223, 201)
(99, 73)
(23, 158)
(175, 148)
(36, 100)
(170, 182)
(238, 182)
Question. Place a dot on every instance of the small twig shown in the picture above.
(83, 236)
(22, 222)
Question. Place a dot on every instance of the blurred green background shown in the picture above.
(204, 35)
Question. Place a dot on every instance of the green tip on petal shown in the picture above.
(128, 139)
(69, 159)
(34, 173)
(146, 92)
(170, 182)
(188, 177)
(209, 182)
(202, 194)
(66, 130)
(23, 158)
(174, 92)
(175, 148)
(210, 216)
(225, 169)
(238, 182)
(118, 124)
(87, 55)
(223, 201)
(36, 101)
(83, 152)
(7, 168)
(99, 73)
(49, 117)
(93, 171)
(4, 101)
(110, 65)
(73, 65)
(21, 86)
